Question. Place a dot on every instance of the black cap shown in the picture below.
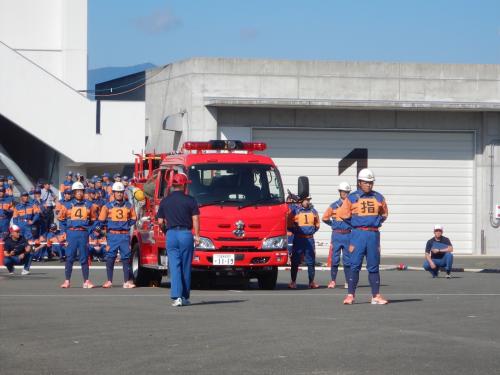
(25, 194)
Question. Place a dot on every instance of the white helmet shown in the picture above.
(77, 186)
(366, 175)
(344, 186)
(118, 186)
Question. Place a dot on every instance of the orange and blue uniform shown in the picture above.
(66, 185)
(25, 216)
(97, 244)
(56, 243)
(6, 211)
(59, 207)
(341, 235)
(77, 217)
(304, 224)
(118, 217)
(365, 212)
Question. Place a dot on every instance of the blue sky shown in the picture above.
(129, 32)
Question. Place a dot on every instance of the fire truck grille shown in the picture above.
(238, 239)
(238, 248)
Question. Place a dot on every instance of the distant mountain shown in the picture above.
(105, 74)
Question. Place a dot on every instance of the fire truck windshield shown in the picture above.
(235, 184)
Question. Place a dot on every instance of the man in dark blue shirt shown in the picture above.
(179, 213)
(438, 253)
(17, 251)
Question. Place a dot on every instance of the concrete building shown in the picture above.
(48, 126)
(429, 132)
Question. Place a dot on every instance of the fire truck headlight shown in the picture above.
(205, 244)
(274, 243)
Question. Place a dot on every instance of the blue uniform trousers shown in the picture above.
(445, 262)
(340, 244)
(77, 244)
(180, 248)
(59, 250)
(26, 230)
(4, 226)
(290, 244)
(100, 252)
(303, 247)
(12, 261)
(118, 242)
(365, 243)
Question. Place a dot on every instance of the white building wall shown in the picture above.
(51, 33)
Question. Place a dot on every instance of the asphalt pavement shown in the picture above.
(431, 326)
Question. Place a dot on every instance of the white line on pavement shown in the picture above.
(276, 294)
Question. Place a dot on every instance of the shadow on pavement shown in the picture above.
(405, 300)
(218, 302)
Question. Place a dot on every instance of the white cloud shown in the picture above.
(159, 21)
(248, 33)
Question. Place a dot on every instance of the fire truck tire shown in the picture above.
(267, 279)
(143, 276)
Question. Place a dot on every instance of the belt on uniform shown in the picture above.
(305, 236)
(342, 231)
(179, 227)
(78, 229)
(118, 231)
(369, 229)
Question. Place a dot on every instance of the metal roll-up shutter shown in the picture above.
(426, 178)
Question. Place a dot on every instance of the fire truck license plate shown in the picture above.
(223, 259)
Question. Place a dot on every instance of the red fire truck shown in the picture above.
(242, 212)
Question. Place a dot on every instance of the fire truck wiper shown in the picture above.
(214, 203)
(256, 202)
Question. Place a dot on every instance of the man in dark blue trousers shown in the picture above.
(180, 214)
(438, 253)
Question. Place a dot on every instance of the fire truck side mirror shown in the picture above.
(303, 187)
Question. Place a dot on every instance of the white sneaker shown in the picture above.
(185, 302)
(25, 272)
(177, 302)
(448, 275)
(346, 286)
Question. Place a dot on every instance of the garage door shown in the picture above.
(426, 178)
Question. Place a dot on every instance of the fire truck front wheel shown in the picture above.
(143, 276)
(267, 279)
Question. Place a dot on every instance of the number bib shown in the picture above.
(304, 219)
(79, 213)
(368, 207)
(118, 214)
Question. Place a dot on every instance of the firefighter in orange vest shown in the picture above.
(341, 234)
(118, 216)
(365, 210)
(6, 211)
(304, 223)
(66, 185)
(78, 216)
(26, 215)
